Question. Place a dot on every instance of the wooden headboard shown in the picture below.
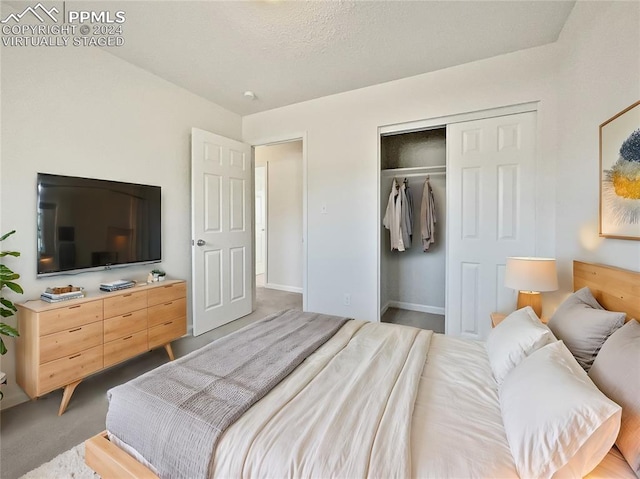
(616, 289)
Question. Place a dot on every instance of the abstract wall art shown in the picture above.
(620, 175)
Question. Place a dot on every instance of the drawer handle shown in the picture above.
(167, 324)
(126, 295)
(169, 286)
(74, 307)
(169, 303)
(126, 315)
(128, 337)
(76, 356)
(74, 330)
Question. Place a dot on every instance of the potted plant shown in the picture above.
(158, 275)
(7, 308)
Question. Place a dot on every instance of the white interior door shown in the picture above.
(491, 198)
(260, 219)
(221, 208)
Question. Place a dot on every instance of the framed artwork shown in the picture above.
(620, 175)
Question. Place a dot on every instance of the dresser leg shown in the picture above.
(66, 396)
(167, 348)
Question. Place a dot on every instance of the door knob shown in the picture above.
(201, 242)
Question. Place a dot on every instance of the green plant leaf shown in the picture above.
(9, 276)
(15, 287)
(8, 304)
(8, 330)
(4, 237)
(7, 308)
(5, 272)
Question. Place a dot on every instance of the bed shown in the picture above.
(383, 400)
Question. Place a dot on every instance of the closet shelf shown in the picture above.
(415, 171)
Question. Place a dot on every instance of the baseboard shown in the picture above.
(13, 399)
(282, 287)
(423, 308)
(384, 309)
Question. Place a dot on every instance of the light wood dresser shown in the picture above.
(62, 343)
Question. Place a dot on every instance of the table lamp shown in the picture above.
(530, 277)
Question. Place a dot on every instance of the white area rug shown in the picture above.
(68, 465)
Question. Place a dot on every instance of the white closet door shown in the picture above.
(491, 195)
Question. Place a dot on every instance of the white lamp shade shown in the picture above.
(531, 274)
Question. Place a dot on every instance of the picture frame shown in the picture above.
(620, 175)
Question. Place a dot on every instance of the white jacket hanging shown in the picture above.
(393, 216)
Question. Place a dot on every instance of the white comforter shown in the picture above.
(457, 427)
(382, 401)
(324, 422)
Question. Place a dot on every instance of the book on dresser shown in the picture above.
(56, 294)
(61, 343)
(117, 285)
(54, 298)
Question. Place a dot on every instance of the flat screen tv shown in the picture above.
(86, 223)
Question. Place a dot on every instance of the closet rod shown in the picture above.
(424, 175)
(416, 168)
(413, 170)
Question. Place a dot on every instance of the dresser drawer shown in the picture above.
(63, 371)
(69, 317)
(125, 348)
(167, 311)
(124, 325)
(168, 292)
(66, 343)
(124, 303)
(167, 332)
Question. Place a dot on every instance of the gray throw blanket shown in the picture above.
(174, 415)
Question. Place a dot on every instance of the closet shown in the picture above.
(482, 169)
(412, 282)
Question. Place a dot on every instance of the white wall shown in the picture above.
(600, 76)
(342, 161)
(590, 74)
(83, 112)
(284, 214)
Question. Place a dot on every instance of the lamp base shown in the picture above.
(530, 298)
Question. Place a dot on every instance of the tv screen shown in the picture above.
(89, 223)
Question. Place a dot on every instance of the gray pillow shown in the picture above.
(583, 325)
(616, 372)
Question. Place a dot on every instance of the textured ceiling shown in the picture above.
(292, 51)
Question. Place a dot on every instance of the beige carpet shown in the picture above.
(68, 465)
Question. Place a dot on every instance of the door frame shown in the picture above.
(266, 208)
(269, 141)
(428, 124)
